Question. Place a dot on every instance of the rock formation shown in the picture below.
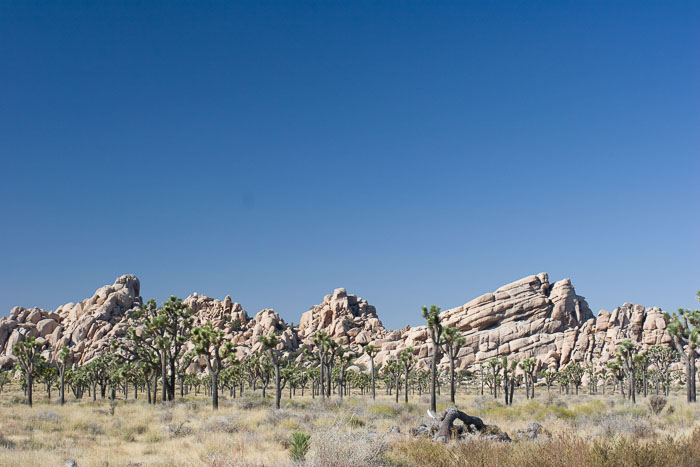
(526, 318)
(87, 327)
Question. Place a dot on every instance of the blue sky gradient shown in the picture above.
(412, 152)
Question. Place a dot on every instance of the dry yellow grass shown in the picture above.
(248, 431)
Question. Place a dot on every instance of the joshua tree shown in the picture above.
(495, 367)
(602, 374)
(326, 349)
(406, 358)
(508, 383)
(575, 374)
(4, 379)
(617, 374)
(432, 317)
(482, 369)
(345, 358)
(641, 364)
(684, 329)
(270, 343)
(64, 358)
(393, 369)
(627, 352)
(210, 343)
(661, 357)
(529, 367)
(159, 333)
(452, 342)
(27, 353)
(550, 376)
(371, 352)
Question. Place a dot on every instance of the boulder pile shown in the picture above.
(530, 317)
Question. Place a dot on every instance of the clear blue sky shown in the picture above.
(412, 152)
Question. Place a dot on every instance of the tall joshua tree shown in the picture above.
(371, 351)
(321, 341)
(627, 351)
(210, 343)
(452, 342)
(406, 358)
(393, 368)
(27, 353)
(345, 359)
(64, 358)
(508, 378)
(529, 367)
(432, 317)
(662, 357)
(683, 327)
(159, 334)
(270, 343)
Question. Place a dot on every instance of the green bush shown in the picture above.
(299, 445)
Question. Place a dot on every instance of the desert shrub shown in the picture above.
(484, 404)
(252, 401)
(129, 433)
(17, 400)
(354, 421)
(657, 404)
(594, 407)
(381, 411)
(617, 425)
(275, 417)
(178, 429)
(6, 443)
(299, 442)
(193, 405)
(337, 445)
(222, 424)
(564, 449)
(166, 416)
(47, 416)
(552, 399)
(91, 428)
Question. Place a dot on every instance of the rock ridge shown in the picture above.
(530, 317)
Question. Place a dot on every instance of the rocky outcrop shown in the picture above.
(87, 327)
(342, 315)
(533, 318)
(527, 318)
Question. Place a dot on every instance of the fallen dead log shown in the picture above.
(447, 419)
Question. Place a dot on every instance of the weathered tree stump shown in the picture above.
(448, 418)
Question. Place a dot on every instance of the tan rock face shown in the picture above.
(86, 326)
(526, 318)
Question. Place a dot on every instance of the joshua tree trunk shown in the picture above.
(29, 388)
(452, 379)
(405, 389)
(278, 387)
(433, 377)
(214, 390)
(396, 384)
(321, 381)
(155, 389)
(372, 369)
(63, 386)
(481, 373)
